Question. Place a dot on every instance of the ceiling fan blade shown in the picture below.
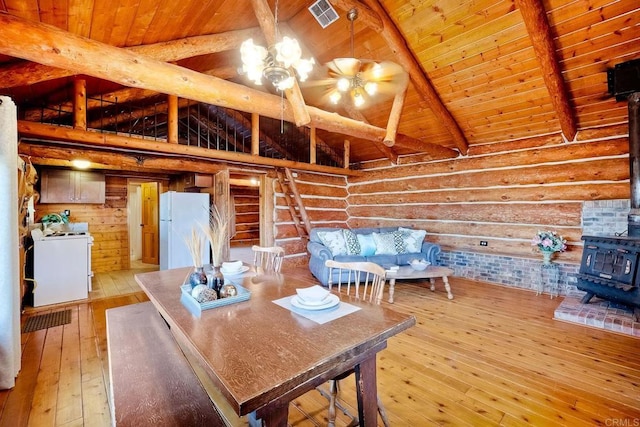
(383, 72)
(344, 67)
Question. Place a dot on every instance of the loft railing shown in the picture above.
(199, 125)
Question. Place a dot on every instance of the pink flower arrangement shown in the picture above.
(549, 241)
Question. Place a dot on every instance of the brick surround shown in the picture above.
(600, 217)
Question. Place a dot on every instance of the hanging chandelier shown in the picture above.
(275, 64)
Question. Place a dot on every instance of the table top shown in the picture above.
(256, 351)
(407, 272)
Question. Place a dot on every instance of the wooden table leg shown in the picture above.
(276, 416)
(392, 288)
(445, 279)
(366, 389)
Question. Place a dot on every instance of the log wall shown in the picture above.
(325, 201)
(246, 201)
(107, 224)
(501, 194)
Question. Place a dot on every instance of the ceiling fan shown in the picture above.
(361, 82)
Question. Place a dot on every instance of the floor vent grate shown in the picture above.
(44, 321)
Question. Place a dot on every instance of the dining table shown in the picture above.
(262, 352)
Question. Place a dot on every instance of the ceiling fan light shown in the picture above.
(285, 84)
(335, 97)
(288, 51)
(303, 68)
(371, 88)
(377, 71)
(358, 99)
(343, 84)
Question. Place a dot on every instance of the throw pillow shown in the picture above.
(334, 240)
(385, 244)
(399, 242)
(413, 239)
(367, 244)
(353, 247)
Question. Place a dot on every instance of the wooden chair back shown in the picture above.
(367, 279)
(269, 258)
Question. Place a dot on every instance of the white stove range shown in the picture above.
(61, 266)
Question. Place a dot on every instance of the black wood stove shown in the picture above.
(610, 265)
(609, 269)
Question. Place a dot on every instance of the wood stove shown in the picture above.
(609, 267)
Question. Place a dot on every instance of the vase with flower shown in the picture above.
(548, 243)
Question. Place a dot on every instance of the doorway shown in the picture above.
(142, 206)
(246, 200)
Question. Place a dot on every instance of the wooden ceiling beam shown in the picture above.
(421, 82)
(53, 155)
(28, 73)
(52, 46)
(535, 20)
(365, 15)
(142, 147)
(388, 151)
(269, 28)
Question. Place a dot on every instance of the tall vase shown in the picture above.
(546, 257)
(217, 279)
(198, 277)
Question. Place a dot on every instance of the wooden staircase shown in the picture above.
(294, 202)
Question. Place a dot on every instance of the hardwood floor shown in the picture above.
(492, 356)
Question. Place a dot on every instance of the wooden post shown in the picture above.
(394, 117)
(347, 152)
(255, 134)
(80, 104)
(312, 145)
(172, 121)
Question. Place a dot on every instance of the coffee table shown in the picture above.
(431, 272)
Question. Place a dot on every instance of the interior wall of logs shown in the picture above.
(499, 193)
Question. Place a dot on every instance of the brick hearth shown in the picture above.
(598, 313)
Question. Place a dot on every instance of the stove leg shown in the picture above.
(586, 298)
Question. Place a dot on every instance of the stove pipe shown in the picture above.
(634, 164)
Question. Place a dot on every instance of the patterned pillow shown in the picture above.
(353, 247)
(334, 240)
(385, 244)
(399, 242)
(413, 239)
(367, 244)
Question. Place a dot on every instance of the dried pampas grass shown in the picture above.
(218, 235)
(195, 242)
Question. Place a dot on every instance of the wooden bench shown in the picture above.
(151, 381)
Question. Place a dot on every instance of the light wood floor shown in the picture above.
(492, 356)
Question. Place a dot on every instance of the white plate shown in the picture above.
(244, 269)
(306, 303)
(333, 301)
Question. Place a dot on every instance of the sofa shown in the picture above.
(385, 246)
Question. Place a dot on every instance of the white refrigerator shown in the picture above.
(179, 214)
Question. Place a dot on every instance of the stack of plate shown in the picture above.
(233, 268)
(314, 298)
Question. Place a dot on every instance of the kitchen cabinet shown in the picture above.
(69, 186)
(198, 180)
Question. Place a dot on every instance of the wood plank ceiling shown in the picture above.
(481, 72)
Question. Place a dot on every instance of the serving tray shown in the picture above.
(196, 308)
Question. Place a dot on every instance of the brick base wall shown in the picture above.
(599, 218)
